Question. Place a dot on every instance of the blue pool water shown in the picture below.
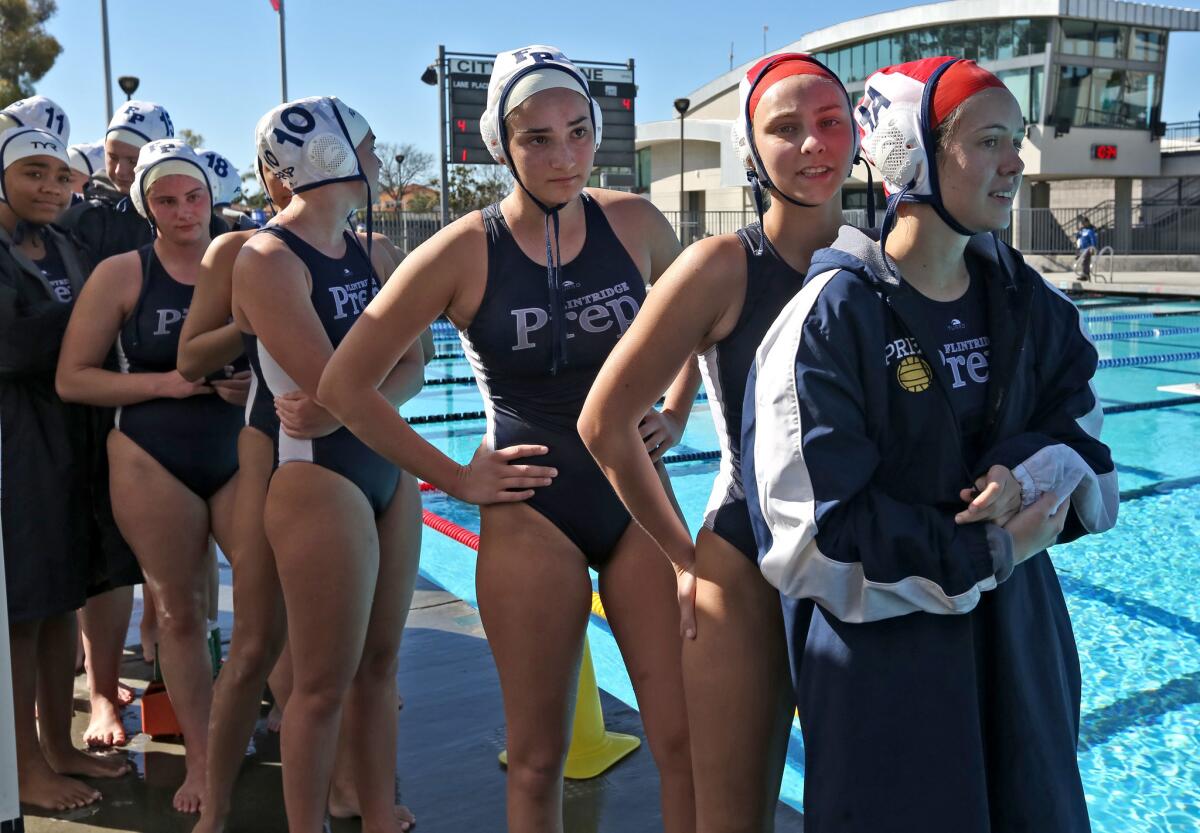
(1133, 594)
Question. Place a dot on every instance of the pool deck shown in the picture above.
(451, 730)
(1133, 283)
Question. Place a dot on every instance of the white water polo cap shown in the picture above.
(166, 157)
(225, 176)
(311, 142)
(521, 73)
(23, 142)
(87, 159)
(138, 122)
(39, 112)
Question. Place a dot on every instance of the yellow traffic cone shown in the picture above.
(593, 749)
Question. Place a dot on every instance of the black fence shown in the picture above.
(1154, 228)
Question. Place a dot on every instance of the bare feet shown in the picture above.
(209, 824)
(400, 822)
(274, 719)
(105, 727)
(188, 797)
(343, 804)
(125, 695)
(78, 762)
(48, 790)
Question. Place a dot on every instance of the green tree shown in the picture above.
(471, 187)
(27, 51)
(191, 138)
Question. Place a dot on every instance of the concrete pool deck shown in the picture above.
(451, 731)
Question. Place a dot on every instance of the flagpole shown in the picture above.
(282, 55)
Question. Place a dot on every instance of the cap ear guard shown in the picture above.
(308, 142)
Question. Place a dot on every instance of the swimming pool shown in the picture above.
(1133, 594)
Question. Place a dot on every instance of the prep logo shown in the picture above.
(912, 371)
(913, 374)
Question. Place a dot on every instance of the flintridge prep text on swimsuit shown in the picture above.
(595, 312)
(352, 298)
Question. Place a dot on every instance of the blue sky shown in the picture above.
(215, 64)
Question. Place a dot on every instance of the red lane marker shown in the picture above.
(450, 529)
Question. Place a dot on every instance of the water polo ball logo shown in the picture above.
(913, 374)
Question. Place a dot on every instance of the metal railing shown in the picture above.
(1181, 137)
(1155, 228)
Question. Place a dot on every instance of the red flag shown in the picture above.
(275, 4)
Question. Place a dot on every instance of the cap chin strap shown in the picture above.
(558, 349)
(360, 175)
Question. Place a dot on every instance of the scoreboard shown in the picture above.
(611, 85)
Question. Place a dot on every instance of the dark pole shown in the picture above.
(282, 56)
(107, 62)
(403, 228)
(441, 77)
(681, 107)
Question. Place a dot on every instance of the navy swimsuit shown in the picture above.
(770, 285)
(510, 344)
(341, 290)
(195, 438)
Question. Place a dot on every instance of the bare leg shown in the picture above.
(534, 599)
(148, 627)
(735, 670)
(56, 703)
(328, 640)
(637, 586)
(167, 527)
(105, 619)
(280, 682)
(38, 784)
(370, 722)
(258, 633)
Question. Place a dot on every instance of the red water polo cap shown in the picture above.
(796, 63)
(963, 80)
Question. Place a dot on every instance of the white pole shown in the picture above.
(282, 56)
(107, 63)
(10, 804)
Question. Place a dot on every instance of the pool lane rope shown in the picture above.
(1157, 332)
(1136, 316)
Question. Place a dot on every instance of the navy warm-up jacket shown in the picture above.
(853, 474)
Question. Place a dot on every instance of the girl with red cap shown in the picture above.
(798, 142)
(920, 426)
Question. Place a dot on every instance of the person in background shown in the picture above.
(1086, 243)
(173, 450)
(44, 486)
(920, 426)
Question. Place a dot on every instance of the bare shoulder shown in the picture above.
(116, 270)
(623, 205)
(116, 279)
(711, 263)
(265, 251)
(224, 247)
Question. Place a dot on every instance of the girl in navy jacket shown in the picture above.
(920, 426)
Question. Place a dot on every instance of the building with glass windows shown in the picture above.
(1088, 75)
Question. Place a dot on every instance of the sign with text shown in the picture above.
(612, 86)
